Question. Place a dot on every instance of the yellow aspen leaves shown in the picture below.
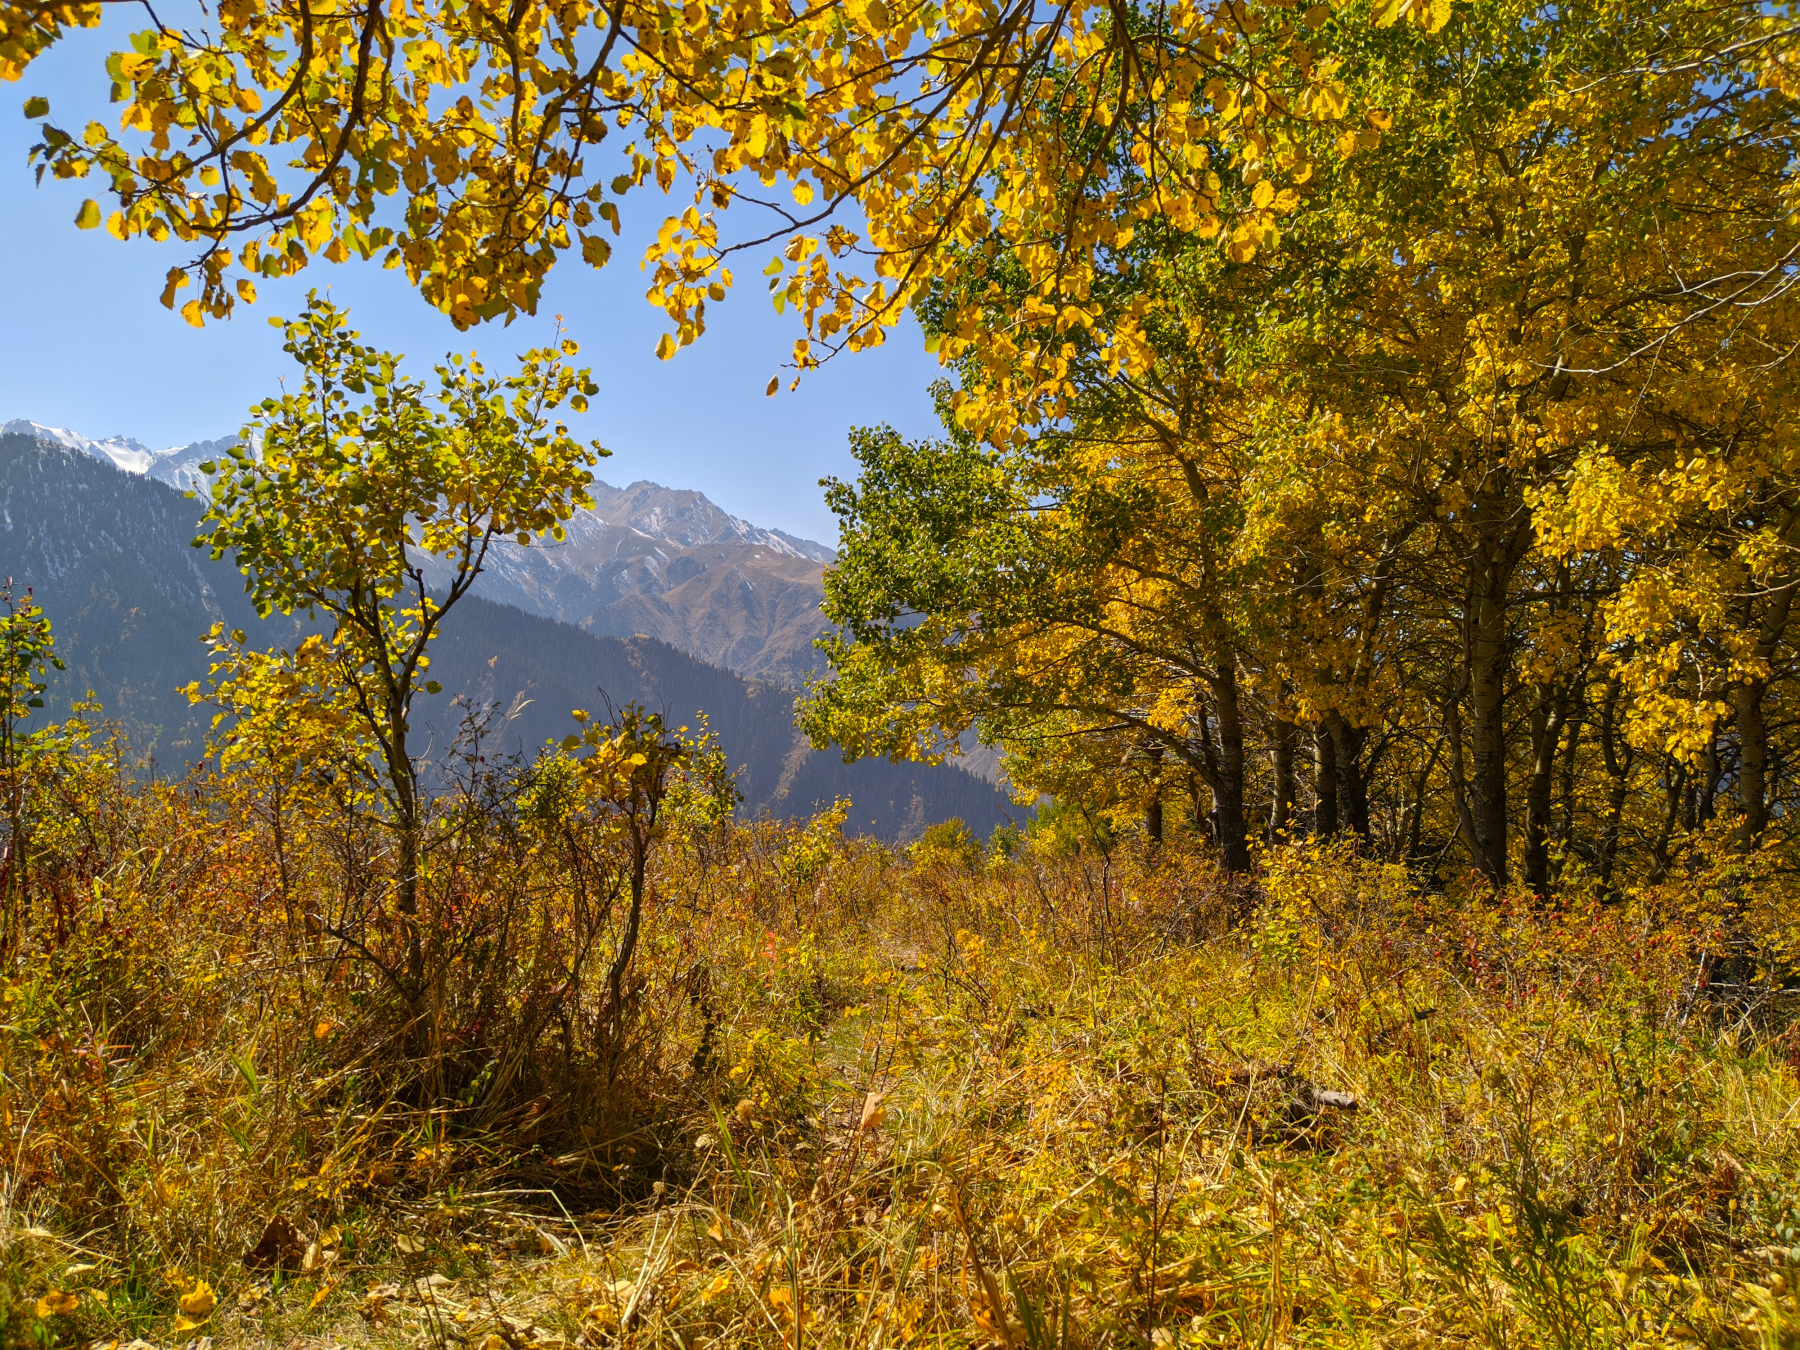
(1508, 491)
(196, 1306)
(88, 217)
(940, 127)
(1429, 15)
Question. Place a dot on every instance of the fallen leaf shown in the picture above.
(873, 1112)
(199, 1301)
(56, 1303)
(374, 1304)
(280, 1242)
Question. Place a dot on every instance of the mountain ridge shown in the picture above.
(665, 562)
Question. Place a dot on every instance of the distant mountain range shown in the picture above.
(645, 559)
(102, 534)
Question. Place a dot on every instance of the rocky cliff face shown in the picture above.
(671, 565)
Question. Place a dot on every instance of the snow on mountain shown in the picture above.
(689, 520)
(668, 515)
(177, 466)
(180, 467)
(123, 452)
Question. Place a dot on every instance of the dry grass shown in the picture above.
(1048, 1101)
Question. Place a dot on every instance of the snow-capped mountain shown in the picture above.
(663, 562)
(122, 452)
(176, 466)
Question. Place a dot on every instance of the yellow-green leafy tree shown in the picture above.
(369, 504)
(27, 656)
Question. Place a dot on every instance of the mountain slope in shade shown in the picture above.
(496, 654)
(108, 555)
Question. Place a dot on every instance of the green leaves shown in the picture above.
(27, 655)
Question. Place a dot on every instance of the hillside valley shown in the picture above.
(106, 549)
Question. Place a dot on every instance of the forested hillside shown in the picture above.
(110, 558)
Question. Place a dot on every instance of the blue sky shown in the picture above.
(87, 346)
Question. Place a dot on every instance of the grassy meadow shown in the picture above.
(1067, 1090)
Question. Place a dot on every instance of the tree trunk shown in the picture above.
(1153, 813)
(1753, 763)
(1618, 773)
(1228, 786)
(1281, 811)
(1575, 721)
(1325, 784)
(1678, 798)
(1548, 715)
(405, 784)
(1347, 743)
(1489, 654)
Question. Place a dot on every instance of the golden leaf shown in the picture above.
(873, 1112)
(56, 1303)
(199, 1301)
